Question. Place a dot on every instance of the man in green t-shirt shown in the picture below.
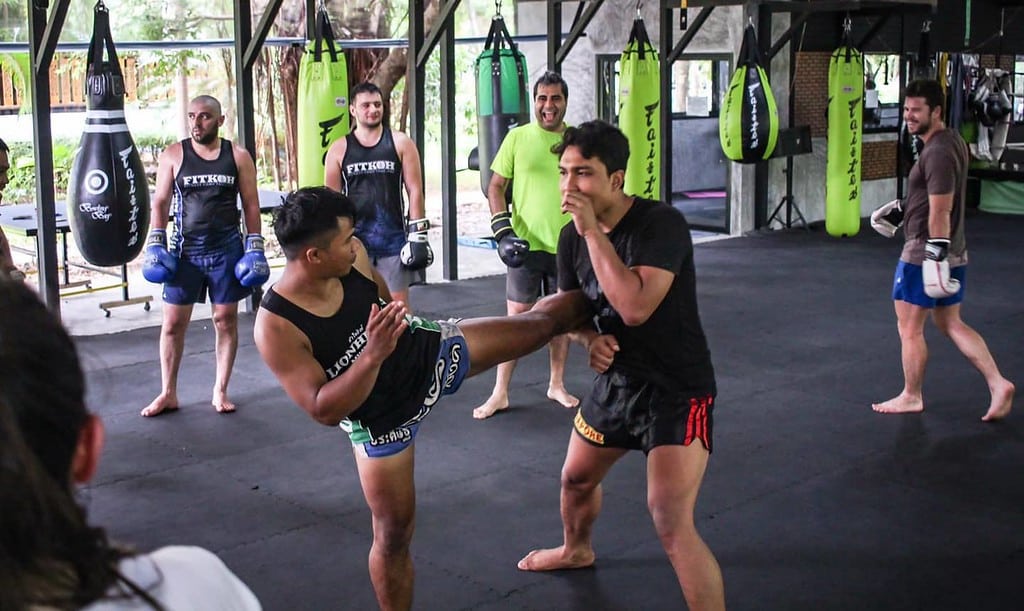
(525, 159)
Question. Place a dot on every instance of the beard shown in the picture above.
(923, 126)
(204, 137)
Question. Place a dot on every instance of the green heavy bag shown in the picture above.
(748, 126)
(322, 101)
(845, 127)
(639, 113)
(502, 99)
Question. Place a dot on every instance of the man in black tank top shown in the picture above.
(348, 356)
(199, 181)
(372, 165)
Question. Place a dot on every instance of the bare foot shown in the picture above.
(899, 405)
(555, 559)
(163, 403)
(222, 404)
(1002, 402)
(490, 407)
(560, 394)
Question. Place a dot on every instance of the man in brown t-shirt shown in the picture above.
(931, 273)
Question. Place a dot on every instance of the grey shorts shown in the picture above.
(537, 277)
(396, 276)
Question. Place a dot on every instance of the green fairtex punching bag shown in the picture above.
(748, 126)
(322, 101)
(639, 118)
(845, 128)
(502, 100)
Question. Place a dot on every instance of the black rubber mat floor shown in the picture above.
(811, 500)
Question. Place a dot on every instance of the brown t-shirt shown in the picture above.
(941, 169)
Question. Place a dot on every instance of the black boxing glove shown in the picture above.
(511, 248)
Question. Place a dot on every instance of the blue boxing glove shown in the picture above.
(252, 269)
(511, 248)
(158, 264)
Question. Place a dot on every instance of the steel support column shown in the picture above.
(449, 188)
(554, 34)
(44, 35)
(664, 45)
(415, 74)
(764, 39)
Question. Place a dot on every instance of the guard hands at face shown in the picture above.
(602, 351)
(582, 210)
(383, 329)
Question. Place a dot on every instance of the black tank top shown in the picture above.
(337, 341)
(205, 203)
(372, 178)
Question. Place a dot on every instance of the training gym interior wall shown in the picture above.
(608, 32)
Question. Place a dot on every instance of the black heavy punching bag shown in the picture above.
(501, 94)
(108, 197)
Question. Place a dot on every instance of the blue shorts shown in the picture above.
(908, 285)
(210, 272)
(450, 370)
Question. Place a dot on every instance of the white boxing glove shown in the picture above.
(888, 218)
(935, 270)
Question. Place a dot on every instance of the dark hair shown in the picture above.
(3, 145)
(309, 217)
(597, 139)
(51, 556)
(365, 87)
(929, 89)
(550, 78)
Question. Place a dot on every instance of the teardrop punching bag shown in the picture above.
(639, 113)
(845, 131)
(502, 101)
(322, 101)
(108, 197)
(748, 126)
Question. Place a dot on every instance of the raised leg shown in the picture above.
(501, 338)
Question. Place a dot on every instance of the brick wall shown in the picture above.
(810, 99)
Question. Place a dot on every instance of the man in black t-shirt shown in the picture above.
(632, 259)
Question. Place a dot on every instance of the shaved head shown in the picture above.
(209, 102)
